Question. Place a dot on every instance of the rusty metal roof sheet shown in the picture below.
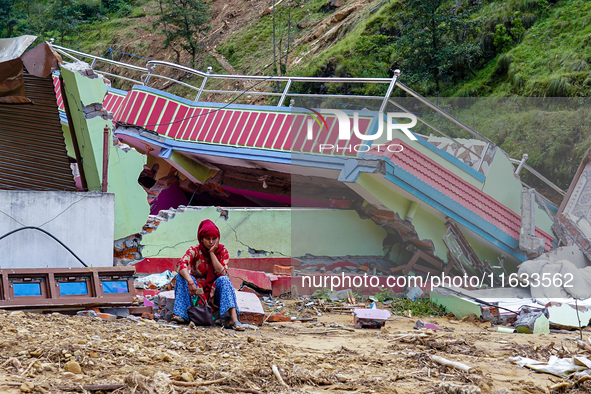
(33, 149)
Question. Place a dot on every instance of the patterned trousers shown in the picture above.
(224, 296)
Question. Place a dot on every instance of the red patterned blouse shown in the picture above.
(199, 267)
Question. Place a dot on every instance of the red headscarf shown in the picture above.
(207, 228)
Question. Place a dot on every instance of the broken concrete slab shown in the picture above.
(250, 307)
(561, 279)
(527, 236)
(340, 294)
(370, 318)
(565, 315)
(414, 293)
(164, 305)
(569, 253)
(537, 324)
(460, 307)
(420, 324)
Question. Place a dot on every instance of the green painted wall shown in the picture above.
(501, 184)
(68, 141)
(258, 229)
(81, 91)
(131, 205)
(460, 307)
(331, 232)
(426, 224)
(279, 232)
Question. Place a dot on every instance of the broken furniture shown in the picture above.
(412, 266)
(461, 253)
(50, 287)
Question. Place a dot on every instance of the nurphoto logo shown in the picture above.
(344, 128)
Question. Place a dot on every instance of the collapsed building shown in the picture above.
(331, 186)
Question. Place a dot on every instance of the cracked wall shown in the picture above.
(81, 221)
(82, 91)
(85, 93)
(131, 206)
(267, 232)
(428, 223)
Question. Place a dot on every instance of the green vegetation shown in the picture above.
(181, 21)
(458, 49)
(62, 20)
(251, 49)
(419, 307)
(435, 42)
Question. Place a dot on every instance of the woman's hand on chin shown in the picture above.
(215, 246)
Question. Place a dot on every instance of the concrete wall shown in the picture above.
(270, 232)
(505, 187)
(131, 201)
(82, 221)
(84, 88)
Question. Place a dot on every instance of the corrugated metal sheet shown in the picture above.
(32, 149)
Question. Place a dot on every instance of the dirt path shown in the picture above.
(311, 357)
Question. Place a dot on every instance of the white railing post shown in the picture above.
(390, 89)
(285, 91)
(209, 70)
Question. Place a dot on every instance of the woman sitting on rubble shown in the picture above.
(205, 267)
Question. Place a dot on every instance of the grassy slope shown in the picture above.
(552, 58)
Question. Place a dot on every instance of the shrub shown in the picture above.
(501, 39)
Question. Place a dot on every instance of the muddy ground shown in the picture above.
(54, 353)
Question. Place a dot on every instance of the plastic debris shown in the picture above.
(419, 325)
(414, 293)
(562, 367)
(530, 322)
(158, 280)
(370, 318)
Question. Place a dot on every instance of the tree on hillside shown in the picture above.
(435, 39)
(181, 22)
(63, 18)
(7, 21)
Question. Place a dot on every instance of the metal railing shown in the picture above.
(521, 165)
(147, 73)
